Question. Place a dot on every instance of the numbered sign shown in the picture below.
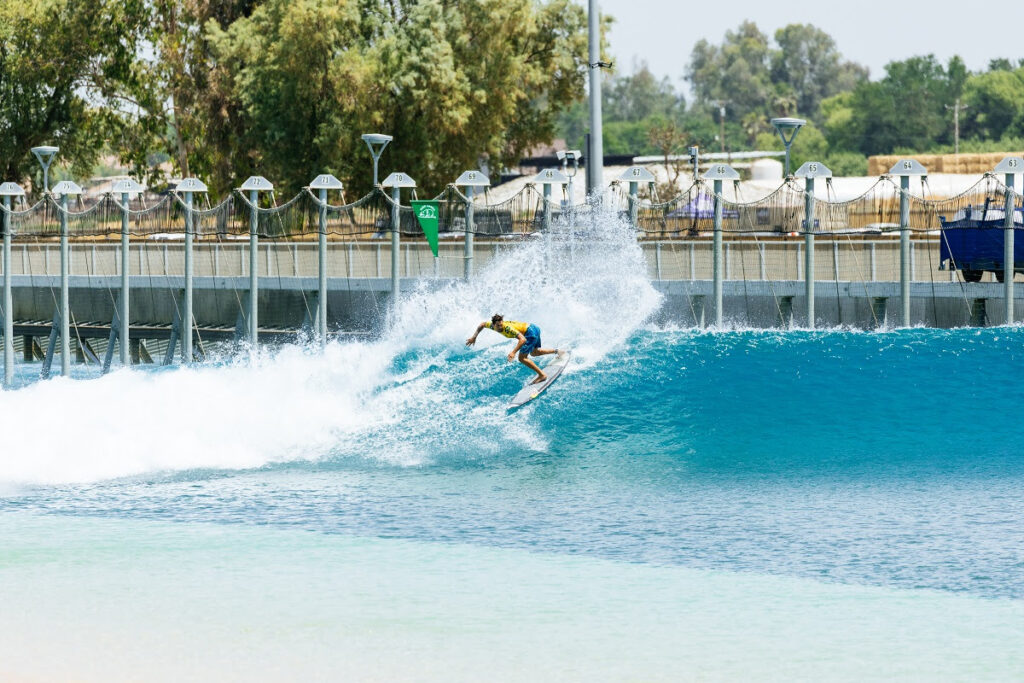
(637, 174)
(1010, 165)
(813, 169)
(905, 167)
(473, 179)
(551, 176)
(398, 180)
(257, 183)
(722, 172)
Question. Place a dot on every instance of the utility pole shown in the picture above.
(956, 109)
(595, 150)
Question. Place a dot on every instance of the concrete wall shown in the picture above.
(760, 275)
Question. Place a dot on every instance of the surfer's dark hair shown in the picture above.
(497, 318)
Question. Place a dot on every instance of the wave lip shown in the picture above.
(401, 399)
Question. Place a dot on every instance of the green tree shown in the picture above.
(631, 105)
(906, 109)
(452, 82)
(846, 164)
(751, 76)
(838, 120)
(736, 73)
(810, 64)
(195, 111)
(69, 77)
(670, 140)
(290, 77)
(995, 104)
(1002, 64)
(640, 95)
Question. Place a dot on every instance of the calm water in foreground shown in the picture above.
(752, 503)
(746, 505)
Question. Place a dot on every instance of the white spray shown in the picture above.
(414, 394)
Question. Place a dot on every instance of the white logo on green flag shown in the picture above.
(427, 214)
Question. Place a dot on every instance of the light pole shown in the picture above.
(322, 184)
(635, 175)
(254, 185)
(45, 156)
(905, 168)
(470, 180)
(565, 157)
(787, 129)
(595, 153)
(189, 187)
(63, 189)
(396, 181)
(547, 178)
(956, 109)
(7, 192)
(376, 142)
(126, 188)
(809, 171)
(1010, 166)
(718, 173)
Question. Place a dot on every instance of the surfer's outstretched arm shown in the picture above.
(479, 329)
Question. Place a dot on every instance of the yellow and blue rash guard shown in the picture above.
(513, 329)
(510, 328)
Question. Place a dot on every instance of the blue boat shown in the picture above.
(972, 242)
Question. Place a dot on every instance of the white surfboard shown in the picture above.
(532, 391)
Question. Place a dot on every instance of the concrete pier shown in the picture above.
(864, 285)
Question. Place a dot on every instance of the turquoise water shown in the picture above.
(99, 598)
(765, 504)
(882, 459)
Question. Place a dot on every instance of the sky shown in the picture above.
(663, 32)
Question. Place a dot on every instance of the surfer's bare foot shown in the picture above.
(539, 379)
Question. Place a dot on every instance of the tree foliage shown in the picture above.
(197, 114)
(809, 64)
(748, 75)
(907, 109)
(69, 76)
(995, 104)
(453, 82)
(284, 88)
(640, 95)
(670, 141)
(632, 104)
(910, 108)
(737, 72)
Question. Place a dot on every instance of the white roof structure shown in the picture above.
(937, 186)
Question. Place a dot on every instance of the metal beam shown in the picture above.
(8, 302)
(595, 154)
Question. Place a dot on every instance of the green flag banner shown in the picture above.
(427, 214)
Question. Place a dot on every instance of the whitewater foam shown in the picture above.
(413, 395)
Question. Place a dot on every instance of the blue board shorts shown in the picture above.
(532, 339)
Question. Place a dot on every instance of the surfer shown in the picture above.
(527, 338)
